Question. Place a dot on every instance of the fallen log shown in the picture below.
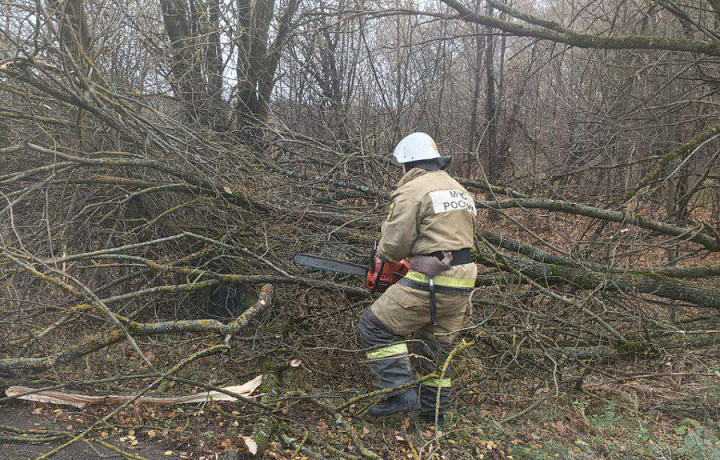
(700, 235)
(584, 278)
(81, 400)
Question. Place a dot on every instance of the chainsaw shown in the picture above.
(379, 274)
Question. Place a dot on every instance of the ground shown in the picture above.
(638, 418)
(33, 418)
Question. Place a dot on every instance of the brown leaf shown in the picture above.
(560, 427)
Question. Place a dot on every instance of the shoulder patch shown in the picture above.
(390, 212)
(452, 200)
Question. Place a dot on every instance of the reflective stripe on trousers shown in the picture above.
(438, 383)
(389, 363)
(440, 280)
(386, 352)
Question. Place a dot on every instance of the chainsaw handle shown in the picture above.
(373, 251)
(382, 274)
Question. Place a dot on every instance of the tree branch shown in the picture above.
(557, 33)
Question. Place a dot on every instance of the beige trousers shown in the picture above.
(405, 310)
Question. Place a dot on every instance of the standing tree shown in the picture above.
(202, 48)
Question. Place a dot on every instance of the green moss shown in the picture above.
(270, 379)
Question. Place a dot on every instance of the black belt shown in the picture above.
(460, 257)
(439, 289)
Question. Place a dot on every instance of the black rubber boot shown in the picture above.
(406, 401)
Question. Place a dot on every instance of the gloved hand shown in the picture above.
(379, 255)
(431, 265)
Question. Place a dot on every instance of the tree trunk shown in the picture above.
(74, 28)
(187, 79)
(475, 134)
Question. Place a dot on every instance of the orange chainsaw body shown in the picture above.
(381, 274)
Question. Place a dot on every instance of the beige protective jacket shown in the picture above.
(430, 212)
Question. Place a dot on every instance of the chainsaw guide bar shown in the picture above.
(332, 265)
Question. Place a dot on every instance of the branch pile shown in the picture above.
(122, 229)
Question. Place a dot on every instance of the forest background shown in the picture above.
(161, 162)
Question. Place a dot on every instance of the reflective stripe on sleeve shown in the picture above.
(390, 350)
(442, 383)
(447, 281)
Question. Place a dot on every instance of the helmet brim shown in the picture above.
(444, 162)
(433, 164)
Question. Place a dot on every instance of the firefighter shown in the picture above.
(430, 222)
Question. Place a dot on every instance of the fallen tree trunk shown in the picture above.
(637, 281)
(700, 235)
(537, 254)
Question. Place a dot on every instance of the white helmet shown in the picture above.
(419, 147)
